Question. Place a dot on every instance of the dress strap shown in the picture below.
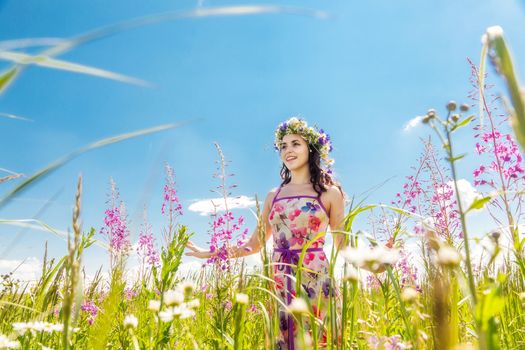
(277, 194)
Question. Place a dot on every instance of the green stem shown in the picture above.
(472, 286)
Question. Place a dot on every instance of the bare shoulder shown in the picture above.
(333, 193)
(270, 196)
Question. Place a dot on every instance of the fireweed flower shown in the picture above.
(502, 167)
(91, 309)
(430, 194)
(171, 204)
(407, 271)
(146, 245)
(115, 227)
(130, 293)
(224, 228)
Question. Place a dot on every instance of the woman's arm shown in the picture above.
(252, 246)
(337, 216)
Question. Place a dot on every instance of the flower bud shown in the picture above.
(431, 113)
(464, 107)
(455, 118)
(451, 106)
(495, 235)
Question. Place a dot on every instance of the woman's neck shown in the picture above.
(300, 176)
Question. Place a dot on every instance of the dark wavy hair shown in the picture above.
(320, 178)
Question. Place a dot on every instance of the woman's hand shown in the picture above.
(198, 252)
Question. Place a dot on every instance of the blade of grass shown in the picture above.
(12, 116)
(46, 61)
(39, 175)
(9, 75)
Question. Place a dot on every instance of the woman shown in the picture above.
(297, 213)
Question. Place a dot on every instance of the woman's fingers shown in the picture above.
(190, 245)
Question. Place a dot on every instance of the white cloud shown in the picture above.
(26, 270)
(207, 206)
(466, 191)
(412, 123)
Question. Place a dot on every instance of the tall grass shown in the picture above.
(452, 303)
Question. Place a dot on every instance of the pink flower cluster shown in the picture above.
(224, 228)
(91, 309)
(430, 194)
(171, 200)
(408, 272)
(115, 227)
(387, 343)
(444, 210)
(130, 293)
(411, 190)
(506, 156)
(146, 245)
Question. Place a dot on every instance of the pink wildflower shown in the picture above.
(146, 245)
(171, 200)
(91, 309)
(115, 227)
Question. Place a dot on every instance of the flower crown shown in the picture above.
(314, 136)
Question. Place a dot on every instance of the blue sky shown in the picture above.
(362, 75)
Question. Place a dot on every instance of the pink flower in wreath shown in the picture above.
(313, 223)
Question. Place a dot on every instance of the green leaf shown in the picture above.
(479, 203)
(461, 156)
(462, 123)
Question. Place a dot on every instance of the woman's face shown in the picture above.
(294, 151)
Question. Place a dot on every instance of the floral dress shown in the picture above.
(296, 221)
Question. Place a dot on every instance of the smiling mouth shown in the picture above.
(289, 159)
